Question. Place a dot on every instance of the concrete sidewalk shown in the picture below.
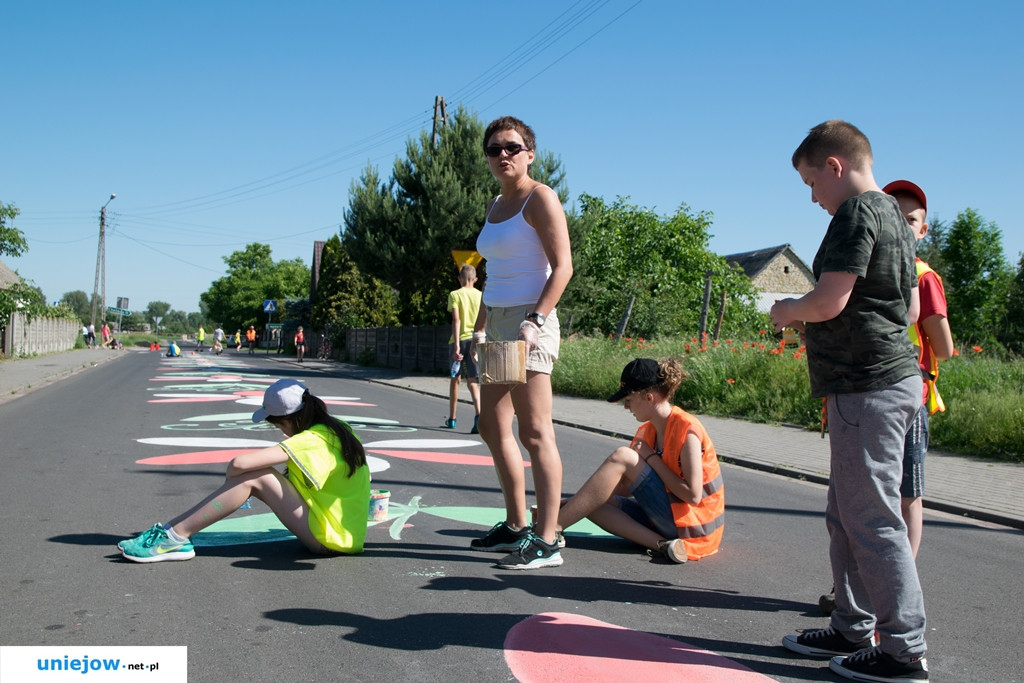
(973, 487)
(22, 375)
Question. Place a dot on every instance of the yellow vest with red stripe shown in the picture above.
(933, 401)
(700, 526)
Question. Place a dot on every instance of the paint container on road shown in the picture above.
(379, 504)
(533, 514)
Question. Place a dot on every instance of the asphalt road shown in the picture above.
(418, 604)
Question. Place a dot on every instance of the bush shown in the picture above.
(764, 381)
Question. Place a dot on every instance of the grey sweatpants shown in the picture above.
(873, 566)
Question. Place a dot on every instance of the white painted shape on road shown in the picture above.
(424, 443)
(207, 442)
(377, 464)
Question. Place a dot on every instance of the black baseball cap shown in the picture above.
(641, 373)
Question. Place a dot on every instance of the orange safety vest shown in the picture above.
(700, 526)
(250, 335)
(931, 374)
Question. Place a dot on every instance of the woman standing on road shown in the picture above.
(323, 498)
(525, 241)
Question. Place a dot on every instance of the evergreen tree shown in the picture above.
(403, 230)
(347, 298)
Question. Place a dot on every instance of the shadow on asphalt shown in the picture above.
(427, 631)
(438, 630)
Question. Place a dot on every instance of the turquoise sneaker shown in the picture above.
(155, 546)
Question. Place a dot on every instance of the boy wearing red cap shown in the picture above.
(934, 342)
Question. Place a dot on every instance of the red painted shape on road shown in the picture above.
(555, 646)
(443, 458)
(196, 457)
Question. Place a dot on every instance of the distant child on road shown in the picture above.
(300, 343)
(323, 497)
(861, 361)
(664, 491)
(464, 305)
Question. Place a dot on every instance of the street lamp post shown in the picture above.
(101, 266)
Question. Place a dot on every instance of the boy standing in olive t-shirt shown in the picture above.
(861, 361)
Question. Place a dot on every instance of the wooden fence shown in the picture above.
(423, 348)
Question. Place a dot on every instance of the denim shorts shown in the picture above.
(914, 448)
(650, 504)
(468, 364)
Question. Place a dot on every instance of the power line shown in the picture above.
(297, 176)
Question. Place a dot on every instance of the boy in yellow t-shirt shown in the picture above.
(464, 304)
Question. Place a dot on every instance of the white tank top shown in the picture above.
(517, 267)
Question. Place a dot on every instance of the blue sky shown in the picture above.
(218, 124)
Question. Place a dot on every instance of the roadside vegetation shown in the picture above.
(763, 381)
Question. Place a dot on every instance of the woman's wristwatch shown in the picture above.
(538, 318)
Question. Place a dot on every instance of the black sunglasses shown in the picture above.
(512, 149)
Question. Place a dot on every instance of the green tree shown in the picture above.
(12, 240)
(976, 278)
(78, 301)
(403, 230)
(929, 249)
(628, 251)
(1011, 331)
(174, 322)
(345, 297)
(252, 277)
(157, 309)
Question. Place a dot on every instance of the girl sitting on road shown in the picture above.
(323, 498)
(665, 490)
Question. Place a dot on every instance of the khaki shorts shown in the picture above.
(503, 325)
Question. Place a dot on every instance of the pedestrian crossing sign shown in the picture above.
(270, 305)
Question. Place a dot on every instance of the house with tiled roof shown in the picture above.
(7, 276)
(776, 273)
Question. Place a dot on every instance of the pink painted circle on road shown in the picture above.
(556, 646)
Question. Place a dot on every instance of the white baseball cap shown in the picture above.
(283, 397)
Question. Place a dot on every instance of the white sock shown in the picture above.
(173, 536)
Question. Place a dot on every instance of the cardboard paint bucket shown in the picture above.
(502, 362)
(379, 504)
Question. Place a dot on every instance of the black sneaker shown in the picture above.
(824, 642)
(533, 553)
(875, 665)
(500, 539)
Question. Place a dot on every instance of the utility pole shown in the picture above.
(101, 266)
(440, 118)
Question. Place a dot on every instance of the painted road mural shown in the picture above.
(548, 646)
